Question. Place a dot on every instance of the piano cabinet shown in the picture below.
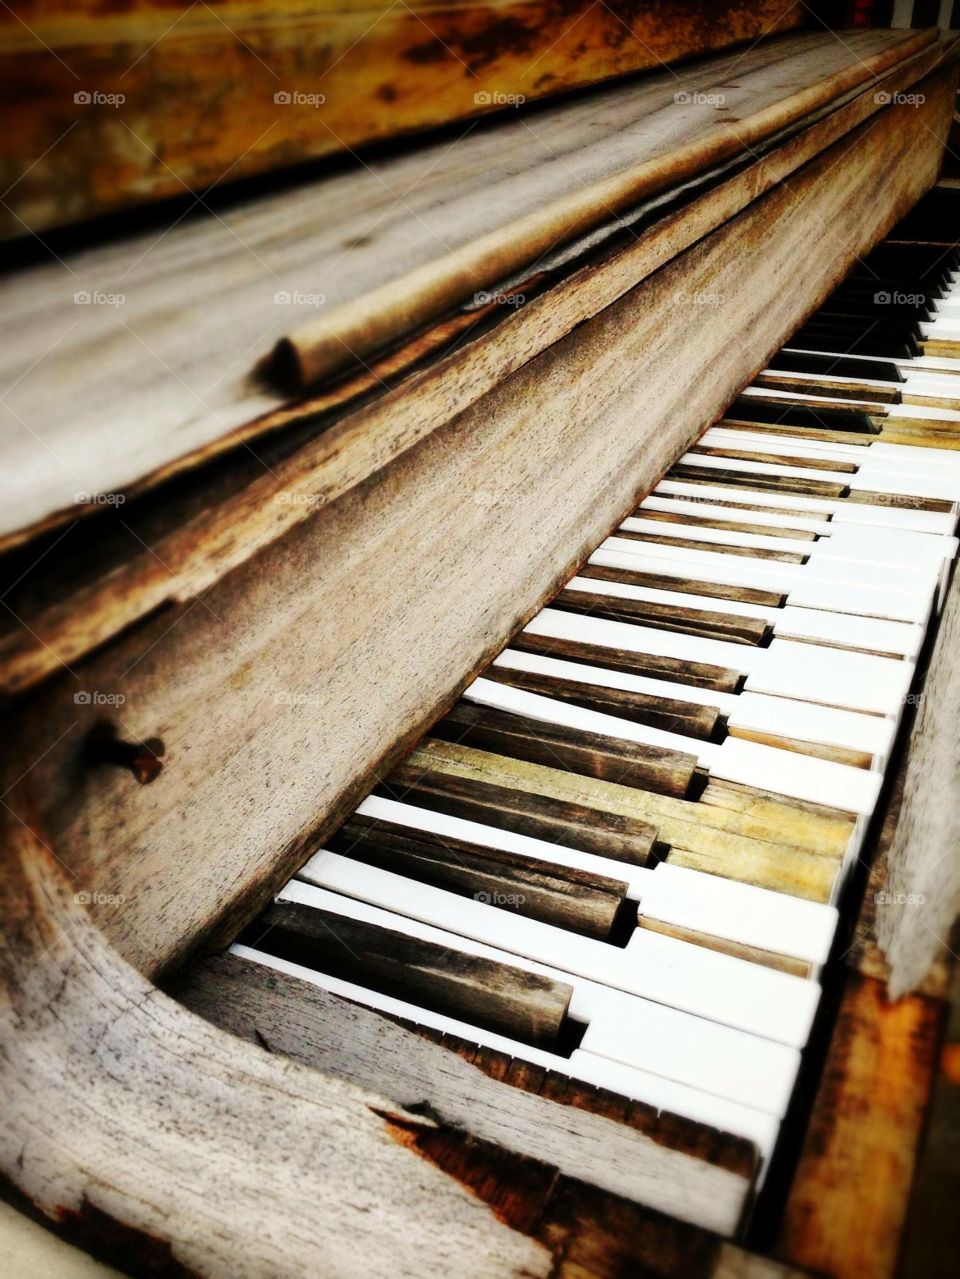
(148, 1132)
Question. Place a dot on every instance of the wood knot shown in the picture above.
(143, 759)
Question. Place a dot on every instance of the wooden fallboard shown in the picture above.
(137, 357)
(282, 691)
(219, 91)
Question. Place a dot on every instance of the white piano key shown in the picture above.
(788, 773)
(828, 676)
(885, 514)
(629, 1081)
(739, 912)
(944, 328)
(866, 479)
(876, 408)
(684, 978)
(856, 543)
(832, 586)
(898, 459)
(656, 529)
(751, 712)
(932, 385)
(905, 364)
(873, 634)
(809, 722)
(811, 523)
(728, 910)
(892, 457)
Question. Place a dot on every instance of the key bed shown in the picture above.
(649, 807)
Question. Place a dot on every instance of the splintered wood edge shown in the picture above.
(848, 1203)
(373, 59)
(919, 902)
(687, 1169)
(192, 557)
(154, 1140)
(360, 327)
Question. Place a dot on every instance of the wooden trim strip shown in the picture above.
(357, 329)
(188, 556)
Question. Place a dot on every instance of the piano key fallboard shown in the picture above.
(620, 862)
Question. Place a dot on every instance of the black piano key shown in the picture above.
(507, 1000)
(533, 887)
(781, 413)
(790, 360)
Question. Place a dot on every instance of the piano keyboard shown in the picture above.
(620, 857)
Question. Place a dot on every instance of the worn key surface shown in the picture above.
(619, 836)
(729, 830)
(701, 674)
(504, 999)
(690, 586)
(692, 544)
(722, 526)
(736, 480)
(708, 623)
(593, 754)
(584, 902)
(687, 718)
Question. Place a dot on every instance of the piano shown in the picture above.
(481, 789)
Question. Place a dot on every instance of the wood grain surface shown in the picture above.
(507, 1000)
(920, 899)
(158, 1142)
(173, 547)
(859, 1153)
(728, 831)
(200, 83)
(703, 722)
(593, 754)
(151, 379)
(262, 692)
(530, 886)
(672, 1164)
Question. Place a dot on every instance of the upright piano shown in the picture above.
(481, 785)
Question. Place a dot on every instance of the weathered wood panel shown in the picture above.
(144, 376)
(673, 1165)
(277, 695)
(81, 592)
(920, 899)
(199, 82)
(165, 1115)
(848, 1202)
(158, 1142)
(931, 1241)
